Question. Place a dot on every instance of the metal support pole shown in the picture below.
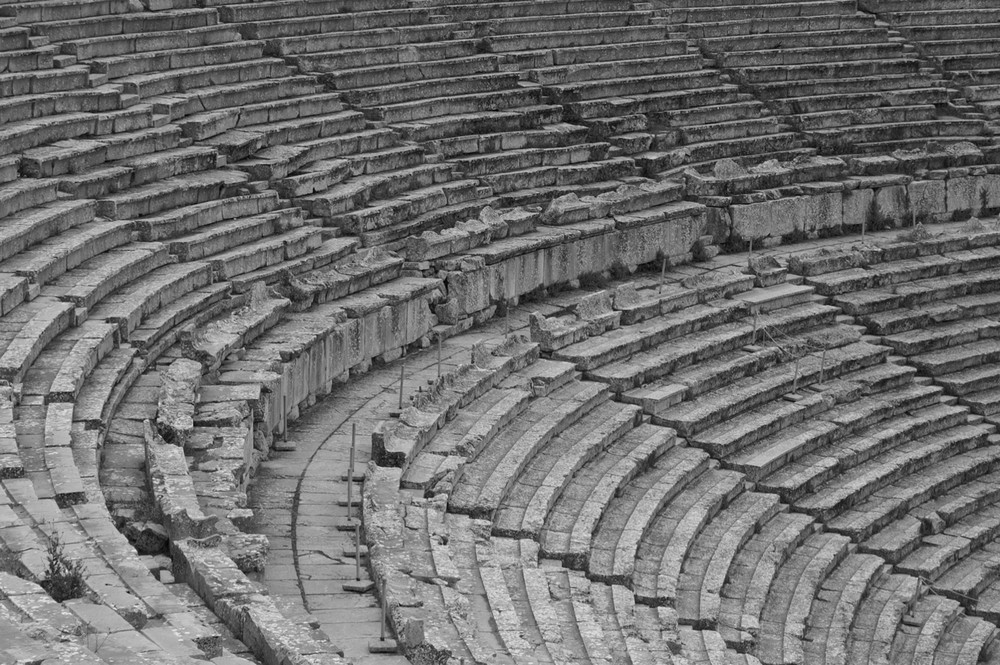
(795, 381)
(822, 367)
(350, 473)
(382, 612)
(284, 417)
(753, 340)
(663, 273)
(357, 545)
(402, 370)
(439, 356)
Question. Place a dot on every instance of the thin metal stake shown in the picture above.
(663, 273)
(864, 225)
(753, 340)
(382, 605)
(350, 473)
(439, 356)
(284, 417)
(795, 381)
(750, 256)
(822, 367)
(357, 546)
(402, 369)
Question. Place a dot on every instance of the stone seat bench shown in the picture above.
(724, 130)
(919, 17)
(238, 12)
(839, 116)
(822, 466)
(359, 22)
(161, 329)
(900, 500)
(579, 51)
(46, 261)
(61, 10)
(887, 82)
(473, 427)
(423, 109)
(118, 45)
(281, 162)
(89, 100)
(697, 586)
(563, 176)
(28, 227)
(350, 275)
(184, 80)
(191, 218)
(655, 363)
(525, 508)
(215, 238)
(969, 290)
(774, 450)
(972, 380)
(266, 252)
(727, 29)
(242, 142)
(947, 361)
(692, 419)
(761, 42)
(852, 486)
(767, 11)
(670, 540)
(832, 69)
(321, 175)
(175, 192)
(128, 307)
(615, 536)
(492, 131)
(939, 623)
(599, 351)
(95, 278)
(759, 60)
(114, 26)
(572, 41)
(782, 146)
(570, 22)
(628, 86)
(75, 156)
(121, 175)
(837, 605)
(879, 615)
(754, 568)
(882, 275)
(942, 336)
(948, 34)
(328, 252)
(44, 82)
(365, 81)
(387, 40)
(342, 59)
(362, 190)
(785, 617)
(157, 60)
(521, 9)
(233, 94)
(615, 67)
(659, 105)
(949, 48)
(486, 479)
(29, 59)
(889, 133)
(430, 208)
(462, 84)
(805, 106)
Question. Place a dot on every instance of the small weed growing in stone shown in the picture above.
(64, 577)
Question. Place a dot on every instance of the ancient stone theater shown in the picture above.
(499, 332)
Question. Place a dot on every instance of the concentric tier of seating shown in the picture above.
(825, 503)
(832, 73)
(958, 36)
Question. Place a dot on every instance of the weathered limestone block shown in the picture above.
(892, 205)
(566, 209)
(172, 489)
(858, 208)
(594, 315)
(963, 197)
(928, 199)
(824, 212)
(772, 219)
(248, 551)
(176, 402)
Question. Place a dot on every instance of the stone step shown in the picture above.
(150, 85)
(628, 516)
(525, 508)
(954, 359)
(266, 252)
(192, 218)
(92, 280)
(227, 235)
(179, 57)
(136, 171)
(490, 131)
(485, 481)
(752, 573)
(533, 179)
(705, 569)
(282, 161)
(784, 621)
(88, 48)
(837, 605)
(376, 57)
(205, 125)
(569, 41)
(161, 329)
(490, 165)
(176, 192)
(58, 10)
(80, 155)
(331, 40)
(577, 510)
(671, 537)
(942, 336)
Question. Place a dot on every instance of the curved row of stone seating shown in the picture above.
(957, 38)
(852, 86)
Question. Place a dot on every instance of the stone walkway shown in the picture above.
(297, 495)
